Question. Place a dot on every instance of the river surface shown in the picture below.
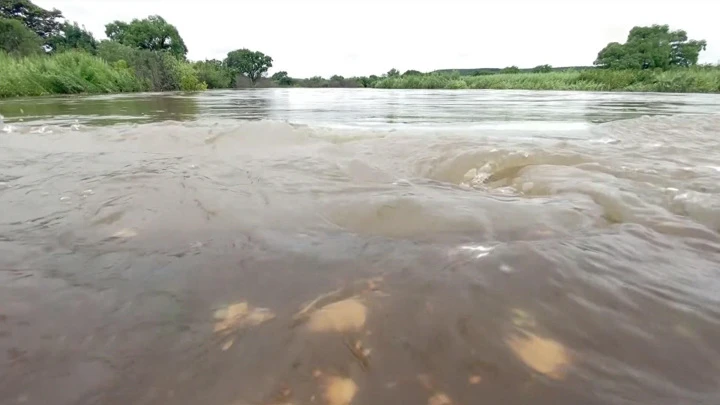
(360, 247)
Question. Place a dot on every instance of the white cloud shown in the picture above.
(362, 37)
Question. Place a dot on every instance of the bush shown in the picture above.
(64, 73)
(214, 74)
(160, 71)
(189, 79)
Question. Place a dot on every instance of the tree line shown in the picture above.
(153, 49)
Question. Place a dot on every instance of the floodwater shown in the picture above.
(338, 247)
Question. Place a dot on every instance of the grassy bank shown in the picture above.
(690, 80)
(64, 73)
(121, 70)
(118, 69)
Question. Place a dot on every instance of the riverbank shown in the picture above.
(77, 72)
(688, 80)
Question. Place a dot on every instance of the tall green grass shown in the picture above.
(693, 80)
(63, 73)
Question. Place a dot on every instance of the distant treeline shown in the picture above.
(42, 53)
(511, 69)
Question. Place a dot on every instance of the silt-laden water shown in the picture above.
(360, 247)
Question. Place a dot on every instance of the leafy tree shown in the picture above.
(411, 73)
(251, 64)
(42, 22)
(18, 40)
(393, 73)
(652, 47)
(542, 69)
(152, 33)
(159, 71)
(72, 36)
(511, 69)
(282, 78)
(214, 73)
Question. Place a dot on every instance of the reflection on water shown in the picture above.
(101, 110)
(338, 247)
(360, 107)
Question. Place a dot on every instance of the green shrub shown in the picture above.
(189, 79)
(63, 73)
(160, 71)
(214, 74)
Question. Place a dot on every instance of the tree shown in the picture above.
(251, 64)
(18, 40)
(542, 69)
(368, 81)
(72, 36)
(214, 73)
(393, 73)
(282, 78)
(42, 22)
(652, 47)
(152, 33)
(411, 73)
(511, 69)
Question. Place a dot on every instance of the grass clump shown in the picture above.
(69, 72)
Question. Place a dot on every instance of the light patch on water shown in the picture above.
(607, 141)
(42, 130)
(480, 250)
(125, 233)
(543, 355)
(528, 186)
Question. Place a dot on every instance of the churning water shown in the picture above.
(360, 247)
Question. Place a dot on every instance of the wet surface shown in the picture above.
(360, 247)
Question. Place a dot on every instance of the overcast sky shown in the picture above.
(363, 37)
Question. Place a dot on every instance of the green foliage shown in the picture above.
(63, 73)
(160, 71)
(152, 33)
(652, 47)
(73, 36)
(542, 69)
(214, 73)
(511, 70)
(392, 73)
(189, 79)
(39, 20)
(282, 78)
(18, 40)
(251, 64)
(411, 73)
(696, 79)
(367, 81)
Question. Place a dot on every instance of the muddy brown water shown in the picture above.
(360, 247)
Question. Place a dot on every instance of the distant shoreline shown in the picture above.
(76, 72)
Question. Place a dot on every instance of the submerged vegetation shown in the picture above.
(41, 54)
